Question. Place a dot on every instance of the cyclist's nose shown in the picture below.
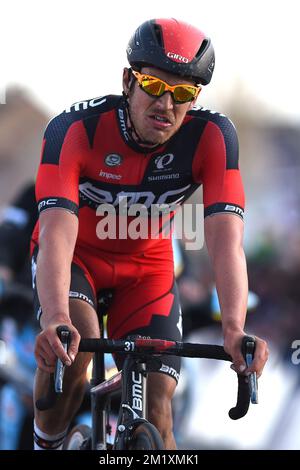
(166, 100)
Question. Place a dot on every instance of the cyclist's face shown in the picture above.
(155, 119)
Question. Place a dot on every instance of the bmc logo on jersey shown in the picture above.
(180, 58)
(47, 203)
(95, 196)
(163, 161)
(236, 209)
(82, 105)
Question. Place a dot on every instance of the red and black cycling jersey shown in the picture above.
(89, 159)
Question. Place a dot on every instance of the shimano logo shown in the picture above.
(180, 58)
(46, 203)
(123, 124)
(236, 209)
(109, 176)
(137, 403)
(173, 176)
(82, 105)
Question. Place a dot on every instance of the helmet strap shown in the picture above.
(132, 130)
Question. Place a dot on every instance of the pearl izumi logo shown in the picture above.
(113, 159)
(162, 164)
(164, 161)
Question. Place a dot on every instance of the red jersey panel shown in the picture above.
(91, 166)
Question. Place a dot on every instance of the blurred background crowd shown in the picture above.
(269, 135)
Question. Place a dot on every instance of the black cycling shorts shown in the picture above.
(143, 305)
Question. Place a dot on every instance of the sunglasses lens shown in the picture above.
(153, 87)
(183, 94)
(156, 87)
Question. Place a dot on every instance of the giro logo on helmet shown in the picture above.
(174, 56)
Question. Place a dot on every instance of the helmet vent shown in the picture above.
(202, 49)
(158, 34)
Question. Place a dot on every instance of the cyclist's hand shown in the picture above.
(260, 357)
(232, 345)
(48, 346)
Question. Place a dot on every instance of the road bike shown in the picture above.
(142, 355)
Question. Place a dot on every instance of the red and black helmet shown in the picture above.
(173, 46)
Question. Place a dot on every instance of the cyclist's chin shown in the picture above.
(157, 137)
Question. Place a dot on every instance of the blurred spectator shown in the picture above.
(16, 321)
(22, 122)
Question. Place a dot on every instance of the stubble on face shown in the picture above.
(156, 120)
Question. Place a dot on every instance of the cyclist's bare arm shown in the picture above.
(224, 239)
(58, 233)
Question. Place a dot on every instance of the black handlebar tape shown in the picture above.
(243, 399)
(207, 351)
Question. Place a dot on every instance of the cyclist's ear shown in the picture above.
(126, 80)
(192, 103)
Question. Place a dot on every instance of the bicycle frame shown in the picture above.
(132, 381)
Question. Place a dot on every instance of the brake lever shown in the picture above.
(64, 335)
(248, 350)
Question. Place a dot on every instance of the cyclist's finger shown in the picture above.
(39, 351)
(47, 352)
(238, 362)
(239, 368)
(57, 347)
(260, 358)
(42, 364)
(74, 344)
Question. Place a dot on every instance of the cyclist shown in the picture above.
(148, 145)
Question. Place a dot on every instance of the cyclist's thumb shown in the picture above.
(239, 364)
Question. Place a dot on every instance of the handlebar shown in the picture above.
(247, 389)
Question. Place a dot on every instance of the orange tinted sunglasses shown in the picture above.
(154, 86)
